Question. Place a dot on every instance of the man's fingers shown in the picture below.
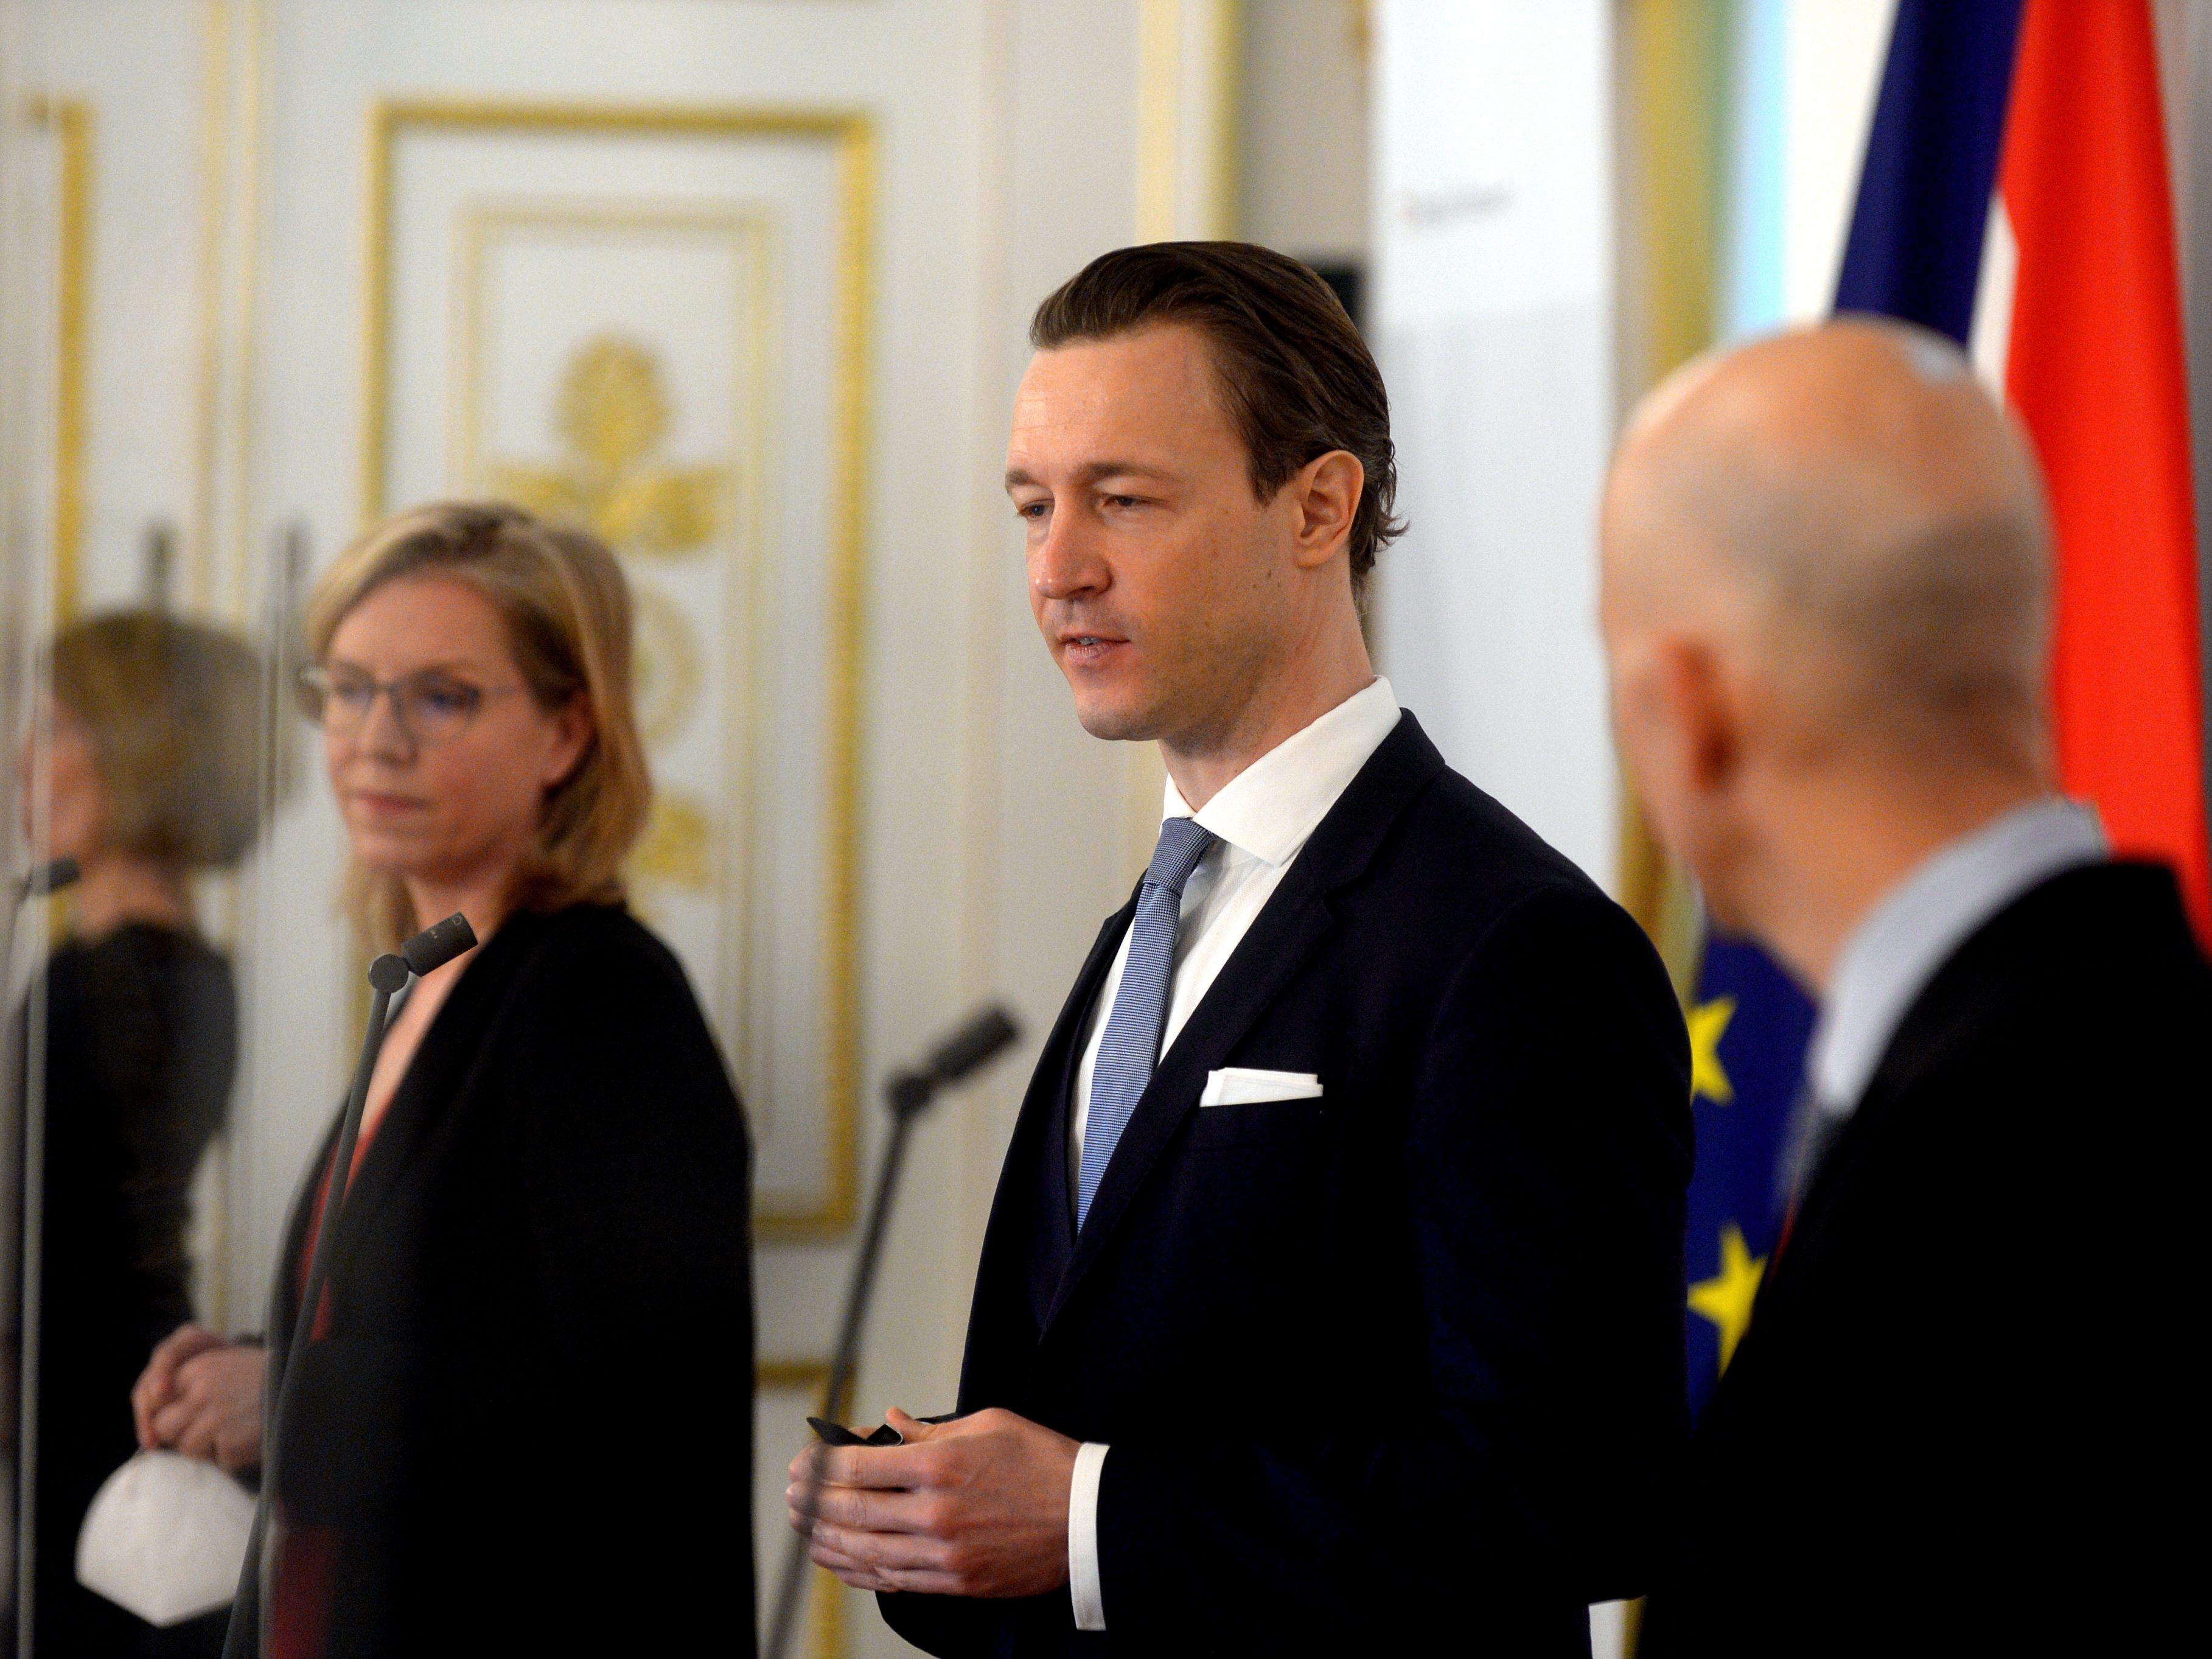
(882, 1467)
(912, 1430)
(860, 1576)
(882, 1551)
(862, 1509)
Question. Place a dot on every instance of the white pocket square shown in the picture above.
(1241, 1085)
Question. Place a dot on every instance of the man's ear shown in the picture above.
(1325, 493)
(1694, 691)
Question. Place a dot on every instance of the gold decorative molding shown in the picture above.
(1671, 77)
(69, 121)
(612, 414)
(785, 1372)
(851, 131)
(853, 137)
(220, 545)
(1174, 36)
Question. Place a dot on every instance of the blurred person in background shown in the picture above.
(523, 1423)
(150, 776)
(1827, 601)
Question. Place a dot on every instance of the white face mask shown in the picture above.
(164, 1538)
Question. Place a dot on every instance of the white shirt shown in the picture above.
(1893, 953)
(1263, 817)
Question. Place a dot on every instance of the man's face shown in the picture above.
(1161, 586)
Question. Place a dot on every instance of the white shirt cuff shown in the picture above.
(1083, 1537)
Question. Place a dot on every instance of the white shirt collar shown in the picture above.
(1895, 951)
(1271, 807)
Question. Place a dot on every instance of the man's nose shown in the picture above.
(1067, 563)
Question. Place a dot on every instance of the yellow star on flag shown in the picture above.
(1708, 1020)
(1726, 1300)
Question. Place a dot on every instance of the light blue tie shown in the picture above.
(1132, 1043)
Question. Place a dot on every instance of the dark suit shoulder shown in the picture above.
(1411, 825)
(2093, 967)
(1463, 870)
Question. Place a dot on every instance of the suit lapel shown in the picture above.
(1031, 1229)
(1053, 1084)
(1296, 922)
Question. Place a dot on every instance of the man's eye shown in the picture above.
(1030, 509)
(353, 694)
(1123, 502)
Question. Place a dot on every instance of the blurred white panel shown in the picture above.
(1494, 323)
(1832, 62)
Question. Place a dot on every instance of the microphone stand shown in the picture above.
(906, 1095)
(388, 975)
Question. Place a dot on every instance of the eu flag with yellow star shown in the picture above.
(1749, 1026)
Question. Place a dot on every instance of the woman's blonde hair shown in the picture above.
(172, 709)
(568, 613)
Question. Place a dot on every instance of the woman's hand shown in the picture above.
(201, 1397)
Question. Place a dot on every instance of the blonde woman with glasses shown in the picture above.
(524, 1423)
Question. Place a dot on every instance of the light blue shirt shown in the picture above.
(1887, 962)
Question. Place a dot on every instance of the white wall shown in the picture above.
(1492, 237)
(1303, 171)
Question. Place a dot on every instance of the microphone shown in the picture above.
(978, 1042)
(46, 879)
(439, 943)
(428, 951)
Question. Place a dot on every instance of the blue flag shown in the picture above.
(1915, 251)
(1749, 1025)
(1916, 243)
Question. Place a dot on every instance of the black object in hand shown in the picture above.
(837, 1434)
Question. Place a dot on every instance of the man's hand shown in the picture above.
(201, 1395)
(977, 1506)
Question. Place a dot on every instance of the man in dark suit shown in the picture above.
(1826, 601)
(1332, 1297)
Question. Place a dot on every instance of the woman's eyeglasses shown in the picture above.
(431, 707)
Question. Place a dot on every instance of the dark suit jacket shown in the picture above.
(1401, 1362)
(1960, 1389)
(530, 1424)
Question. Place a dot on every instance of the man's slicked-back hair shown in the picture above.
(1296, 378)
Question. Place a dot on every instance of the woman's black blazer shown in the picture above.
(530, 1424)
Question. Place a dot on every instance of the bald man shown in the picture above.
(1826, 601)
